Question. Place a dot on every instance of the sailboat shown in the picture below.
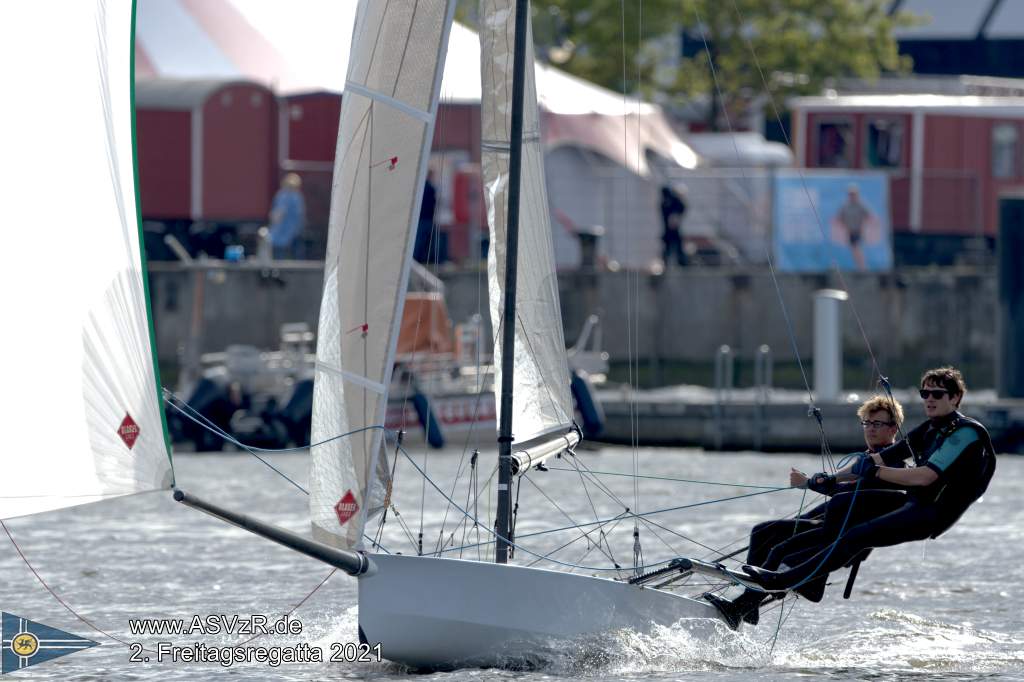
(425, 611)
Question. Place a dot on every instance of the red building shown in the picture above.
(949, 158)
(206, 150)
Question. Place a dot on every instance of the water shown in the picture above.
(946, 609)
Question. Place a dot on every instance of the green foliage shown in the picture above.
(757, 47)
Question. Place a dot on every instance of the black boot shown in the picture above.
(749, 604)
(730, 612)
(813, 590)
(771, 581)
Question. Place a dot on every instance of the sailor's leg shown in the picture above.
(765, 536)
(810, 540)
(910, 522)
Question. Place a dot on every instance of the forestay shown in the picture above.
(386, 128)
(81, 409)
(542, 405)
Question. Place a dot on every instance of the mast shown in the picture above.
(503, 522)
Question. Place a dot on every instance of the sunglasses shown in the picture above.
(934, 393)
(875, 423)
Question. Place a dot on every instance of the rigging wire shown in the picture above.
(566, 514)
(577, 526)
(595, 523)
(638, 554)
(813, 410)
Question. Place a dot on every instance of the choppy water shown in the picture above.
(946, 609)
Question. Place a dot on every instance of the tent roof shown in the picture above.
(302, 46)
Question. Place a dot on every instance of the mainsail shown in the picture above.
(542, 406)
(80, 371)
(387, 121)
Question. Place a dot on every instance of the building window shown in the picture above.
(835, 144)
(885, 143)
(1004, 150)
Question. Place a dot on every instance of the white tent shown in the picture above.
(302, 46)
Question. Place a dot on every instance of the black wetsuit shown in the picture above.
(792, 541)
(955, 447)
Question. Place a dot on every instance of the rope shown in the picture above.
(477, 523)
(668, 478)
(252, 450)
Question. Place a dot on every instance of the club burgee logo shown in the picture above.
(26, 642)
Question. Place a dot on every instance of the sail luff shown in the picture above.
(542, 402)
(403, 286)
(384, 138)
(154, 359)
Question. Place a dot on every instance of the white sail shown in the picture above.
(81, 409)
(541, 402)
(387, 122)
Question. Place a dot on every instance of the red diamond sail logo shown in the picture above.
(346, 508)
(128, 430)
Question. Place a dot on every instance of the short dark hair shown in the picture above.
(948, 378)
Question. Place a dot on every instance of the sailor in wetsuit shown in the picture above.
(773, 542)
(954, 462)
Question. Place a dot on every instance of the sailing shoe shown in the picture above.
(813, 590)
(769, 580)
(749, 604)
(730, 612)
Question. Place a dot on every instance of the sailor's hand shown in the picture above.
(797, 478)
(822, 483)
(865, 467)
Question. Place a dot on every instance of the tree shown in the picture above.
(780, 48)
(777, 48)
(602, 41)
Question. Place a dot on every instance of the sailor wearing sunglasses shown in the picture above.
(953, 464)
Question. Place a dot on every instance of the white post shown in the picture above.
(916, 171)
(828, 344)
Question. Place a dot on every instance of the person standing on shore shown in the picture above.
(287, 218)
(423, 248)
(673, 208)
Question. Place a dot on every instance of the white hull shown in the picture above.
(446, 613)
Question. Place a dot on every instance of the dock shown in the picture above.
(778, 420)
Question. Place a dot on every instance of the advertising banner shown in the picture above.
(833, 219)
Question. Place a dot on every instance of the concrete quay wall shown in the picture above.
(913, 319)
